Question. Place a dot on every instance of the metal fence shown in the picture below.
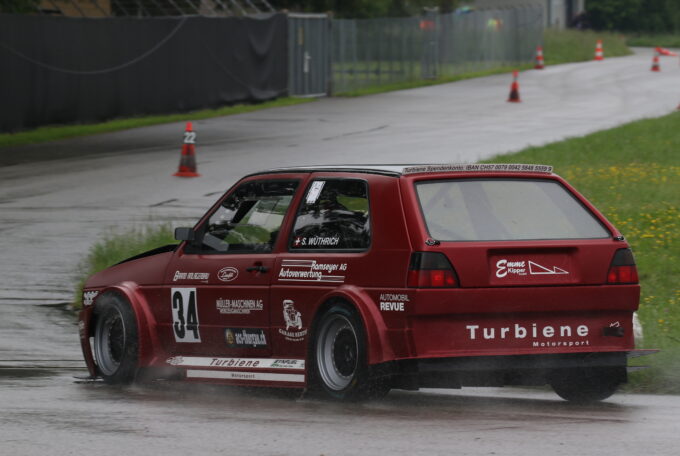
(374, 52)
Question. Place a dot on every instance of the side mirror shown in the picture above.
(185, 234)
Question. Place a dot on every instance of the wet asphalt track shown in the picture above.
(52, 211)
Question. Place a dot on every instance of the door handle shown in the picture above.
(258, 268)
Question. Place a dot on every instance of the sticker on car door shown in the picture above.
(185, 324)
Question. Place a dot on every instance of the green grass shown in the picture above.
(372, 90)
(56, 132)
(665, 40)
(632, 174)
(565, 46)
(118, 246)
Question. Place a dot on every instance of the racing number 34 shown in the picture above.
(185, 315)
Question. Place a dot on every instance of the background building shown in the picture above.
(557, 13)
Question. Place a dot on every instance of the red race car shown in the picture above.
(358, 279)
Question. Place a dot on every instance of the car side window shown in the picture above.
(333, 215)
(249, 219)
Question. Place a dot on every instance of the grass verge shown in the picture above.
(632, 174)
(373, 90)
(663, 40)
(56, 132)
(118, 246)
(565, 46)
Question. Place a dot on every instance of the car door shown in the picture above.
(327, 247)
(217, 286)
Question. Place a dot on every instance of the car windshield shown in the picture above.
(504, 209)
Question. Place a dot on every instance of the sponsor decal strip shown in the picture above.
(179, 275)
(231, 375)
(297, 262)
(227, 363)
(478, 167)
(238, 306)
(245, 338)
(505, 267)
(310, 271)
(393, 302)
(321, 278)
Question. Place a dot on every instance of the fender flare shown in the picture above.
(379, 348)
(146, 323)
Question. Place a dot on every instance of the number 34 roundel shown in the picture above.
(185, 315)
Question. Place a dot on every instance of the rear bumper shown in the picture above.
(522, 362)
(528, 370)
(538, 334)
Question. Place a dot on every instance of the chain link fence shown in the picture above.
(374, 52)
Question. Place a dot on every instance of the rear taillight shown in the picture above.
(431, 270)
(623, 269)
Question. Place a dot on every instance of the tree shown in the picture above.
(654, 16)
(19, 6)
(365, 8)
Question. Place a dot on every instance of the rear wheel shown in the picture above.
(339, 356)
(115, 340)
(588, 385)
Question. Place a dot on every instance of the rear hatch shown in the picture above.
(515, 232)
(525, 250)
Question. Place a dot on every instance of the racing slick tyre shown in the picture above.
(339, 364)
(115, 340)
(587, 385)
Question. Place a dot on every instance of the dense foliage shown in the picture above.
(366, 8)
(18, 6)
(655, 16)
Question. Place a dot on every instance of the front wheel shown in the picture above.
(588, 385)
(339, 356)
(115, 340)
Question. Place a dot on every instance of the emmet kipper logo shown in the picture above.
(505, 267)
(293, 320)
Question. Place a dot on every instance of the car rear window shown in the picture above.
(504, 209)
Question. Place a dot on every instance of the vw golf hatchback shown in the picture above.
(354, 280)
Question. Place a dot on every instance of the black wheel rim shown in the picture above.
(109, 342)
(344, 352)
(337, 353)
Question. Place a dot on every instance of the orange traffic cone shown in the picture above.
(599, 53)
(539, 58)
(664, 51)
(514, 88)
(655, 62)
(187, 161)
